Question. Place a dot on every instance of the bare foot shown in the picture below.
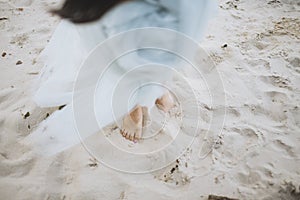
(133, 124)
(165, 103)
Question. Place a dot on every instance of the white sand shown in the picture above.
(257, 156)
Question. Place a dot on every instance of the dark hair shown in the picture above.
(81, 11)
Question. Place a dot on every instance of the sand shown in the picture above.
(255, 46)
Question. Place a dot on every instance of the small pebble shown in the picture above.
(61, 107)
(224, 45)
(3, 54)
(47, 115)
(172, 170)
(19, 62)
(26, 115)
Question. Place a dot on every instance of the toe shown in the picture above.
(124, 133)
(137, 136)
(131, 138)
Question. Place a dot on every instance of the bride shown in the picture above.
(85, 25)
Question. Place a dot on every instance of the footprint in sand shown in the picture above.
(238, 143)
(294, 64)
(259, 66)
(18, 167)
(173, 175)
(287, 191)
(285, 148)
(277, 81)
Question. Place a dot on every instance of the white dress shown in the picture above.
(72, 43)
